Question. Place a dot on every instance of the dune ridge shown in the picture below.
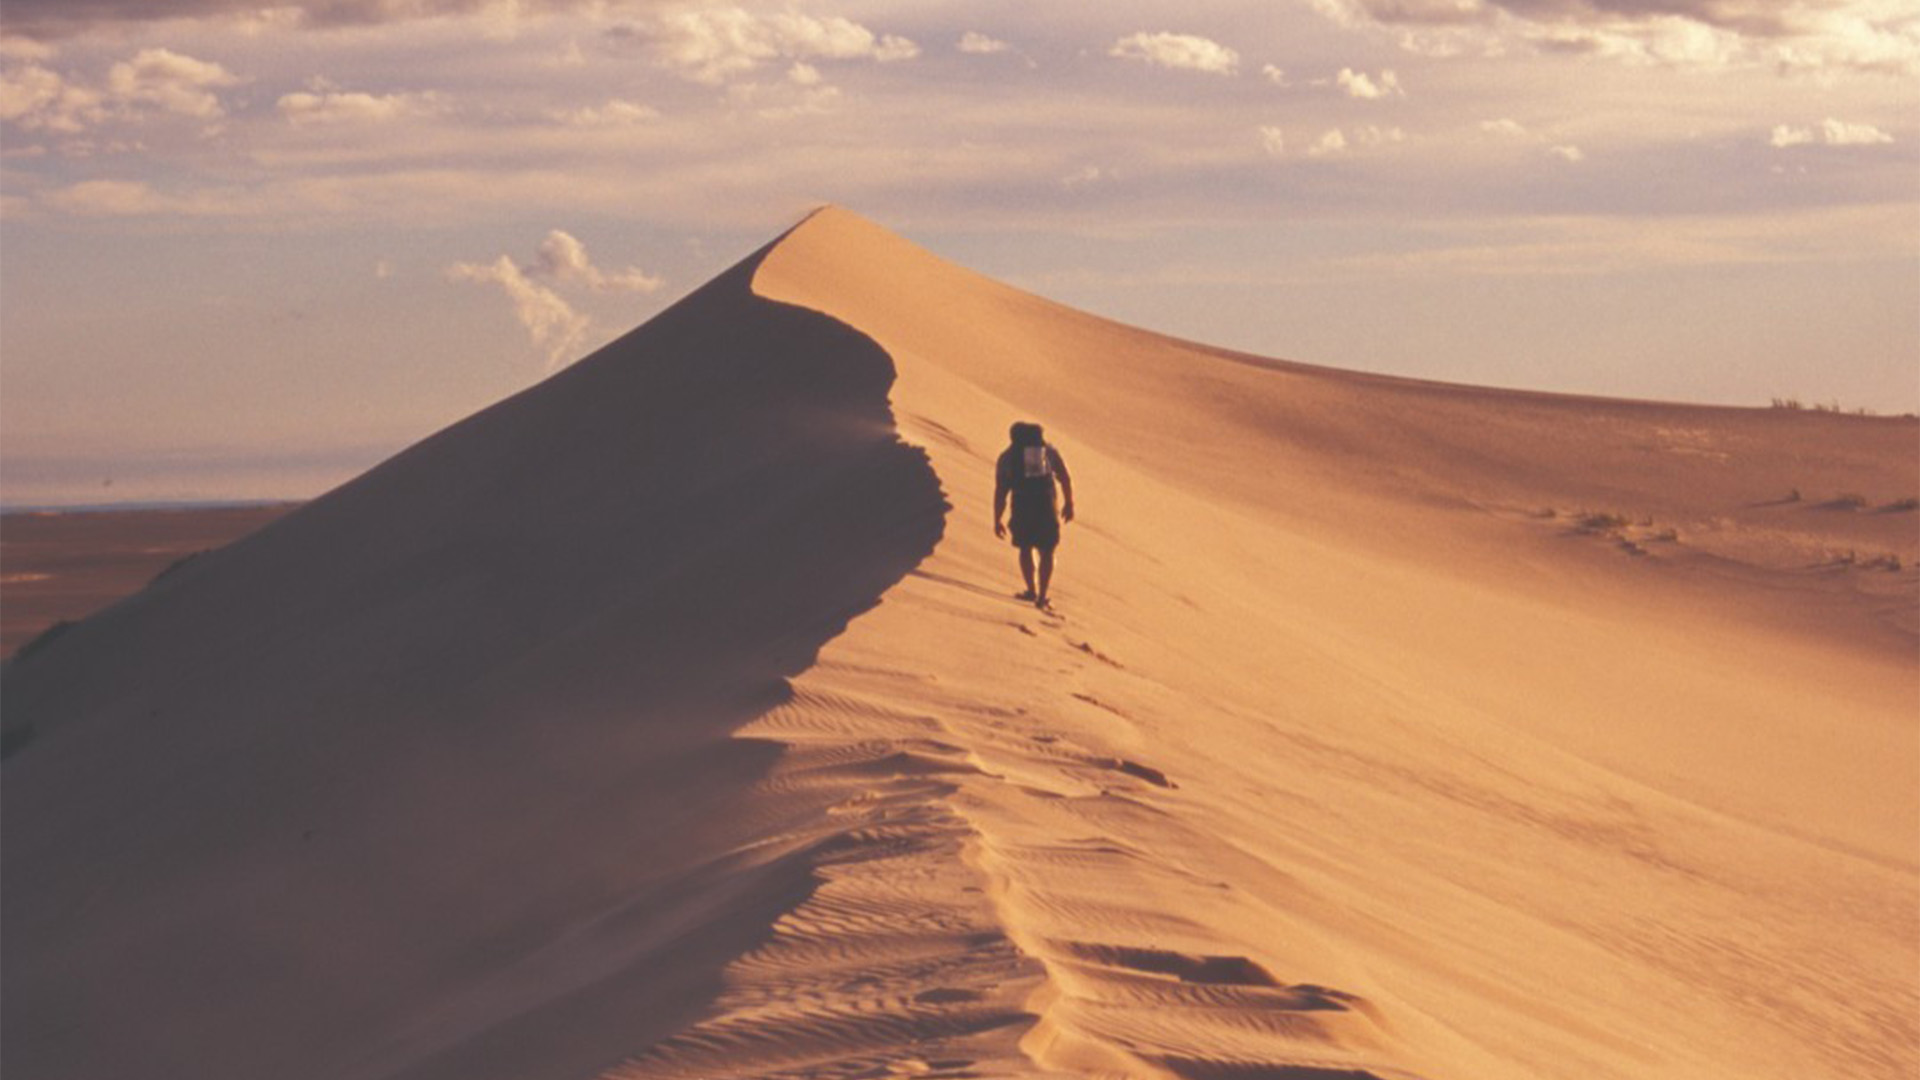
(1343, 757)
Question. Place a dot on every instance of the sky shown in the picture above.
(247, 250)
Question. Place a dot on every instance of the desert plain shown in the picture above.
(674, 718)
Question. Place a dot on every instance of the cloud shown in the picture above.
(170, 81)
(41, 100)
(564, 258)
(711, 45)
(1831, 132)
(614, 113)
(19, 48)
(1503, 126)
(1358, 85)
(1568, 153)
(1274, 75)
(802, 93)
(552, 323)
(980, 44)
(1081, 177)
(1329, 144)
(1335, 142)
(336, 107)
(1784, 136)
(1180, 52)
(1840, 133)
(109, 198)
(1273, 141)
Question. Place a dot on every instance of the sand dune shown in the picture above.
(673, 719)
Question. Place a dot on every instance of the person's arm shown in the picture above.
(1066, 484)
(999, 502)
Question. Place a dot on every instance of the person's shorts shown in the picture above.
(1035, 531)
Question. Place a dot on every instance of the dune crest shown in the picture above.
(674, 719)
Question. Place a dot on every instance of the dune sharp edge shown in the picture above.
(673, 719)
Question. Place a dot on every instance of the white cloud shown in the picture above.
(615, 113)
(1797, 36)
(1081, 177)
(1503, 126)
(803, 74)
(1358, 84)
(552, 323)
(172, 82)
(38, 99)
(20, 48)
(1178, 51)
(109, 198)
(1568, 153)
(1274, 75)
(893, 49)
(1831, 132)
(564, 258)
(980, 44)
(1841, 133)
(41, 100)
(1273, 141)
(784, 100)
(336, 107)
(1335, 142)
(1329, 144)
(1784, 136)
(711, 45)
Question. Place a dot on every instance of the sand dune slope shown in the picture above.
(437, 776)
(674, 719)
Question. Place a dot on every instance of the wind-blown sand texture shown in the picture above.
(58, 566)
(673, 719)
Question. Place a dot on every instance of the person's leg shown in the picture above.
(1046, 572)
(1026, 568)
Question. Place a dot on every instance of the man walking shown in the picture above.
(1027, 471)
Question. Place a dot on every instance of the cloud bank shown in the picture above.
(1794, 36)
(154, 80)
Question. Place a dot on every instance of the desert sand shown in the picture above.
(674, 718)
(59, 565)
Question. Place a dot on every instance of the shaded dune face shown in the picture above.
(297, 809)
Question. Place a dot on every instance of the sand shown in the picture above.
(674, 719)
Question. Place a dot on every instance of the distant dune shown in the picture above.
(673, 718)
(62, 565)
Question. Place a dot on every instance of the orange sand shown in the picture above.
(673, 719)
